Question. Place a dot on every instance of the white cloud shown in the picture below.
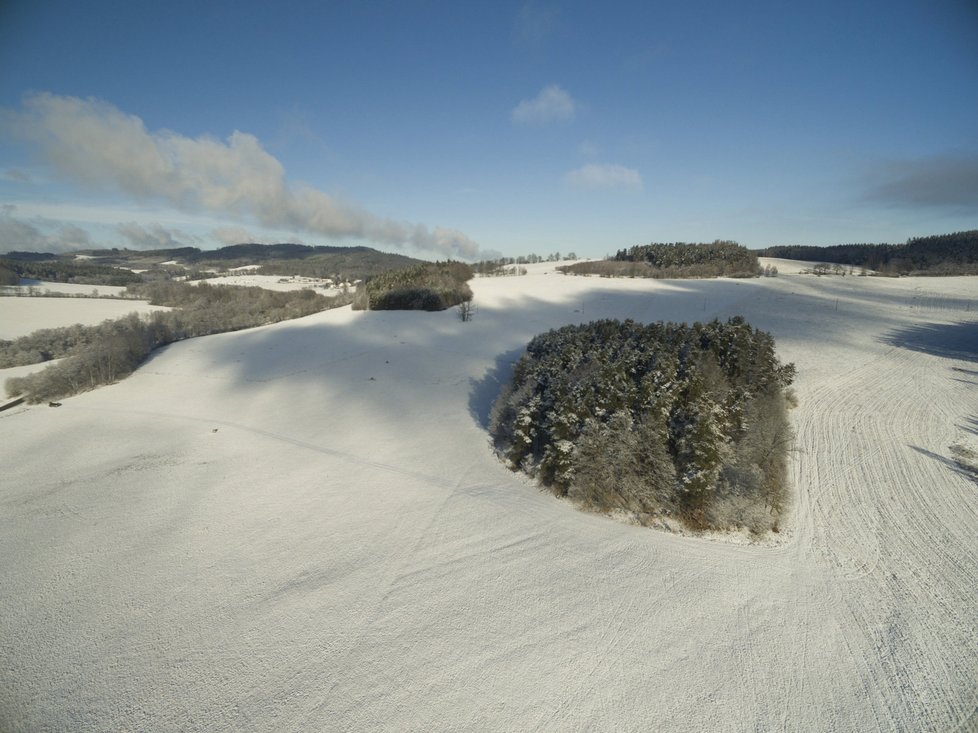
(240, 235)
(39, 235)
(552, 104)
(593, 176)
(154, 236)
(95, 143)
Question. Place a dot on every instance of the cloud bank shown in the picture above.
(154, 236)
(96, 144)
(947, 180)
(40, 235)
(552, 104)
(594, 176)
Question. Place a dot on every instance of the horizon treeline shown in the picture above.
(721, 258)
(942, 254)
(660, 419)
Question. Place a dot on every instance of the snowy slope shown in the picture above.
(302, 527)
(20, 316)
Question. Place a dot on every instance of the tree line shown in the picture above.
(943, 254)
(65, 271)
(674, 260)
(654, 419)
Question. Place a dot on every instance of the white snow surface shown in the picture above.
(20, 316)
(47, 286)
(303, 527)
(273, 282)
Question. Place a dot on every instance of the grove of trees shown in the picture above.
(659, 419)
(431, 286)
(675, 260)
(943, 254)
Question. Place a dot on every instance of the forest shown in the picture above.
(116, 266)
(64, 271)
(943, 254)
(656, 420)
(674, 260)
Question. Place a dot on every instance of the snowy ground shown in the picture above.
(302, 527)
(274, 282)
(787, 267)
(20, 316)
(45, 286)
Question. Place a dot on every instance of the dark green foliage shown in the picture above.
(678, 260)
(96, 355)
(342, 264)
(69, 271)
(653, 419)
(944, 254)
(8, 275)
(30, 256)
(429, 286)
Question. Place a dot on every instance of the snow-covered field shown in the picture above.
(20, 316)
(44, 287)
(274, 282)
(302, 527)
(787, 267)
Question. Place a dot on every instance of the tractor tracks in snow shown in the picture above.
(889, 528)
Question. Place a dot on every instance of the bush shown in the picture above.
(653, 419)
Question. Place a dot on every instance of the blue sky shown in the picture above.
(467, 129)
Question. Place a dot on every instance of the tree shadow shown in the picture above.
(949, 340)
(970, 425)
(949, 462)
(485, 390)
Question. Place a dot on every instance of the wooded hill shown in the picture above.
(82, 272)
(942, 254)
(114, 266)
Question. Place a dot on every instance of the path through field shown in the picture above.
(302, 527)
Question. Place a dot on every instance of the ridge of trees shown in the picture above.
(112, 266)
(659, 419)
(942, 254)
(66, 271)
(95, 355)
(721, 258)
(430, 286)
